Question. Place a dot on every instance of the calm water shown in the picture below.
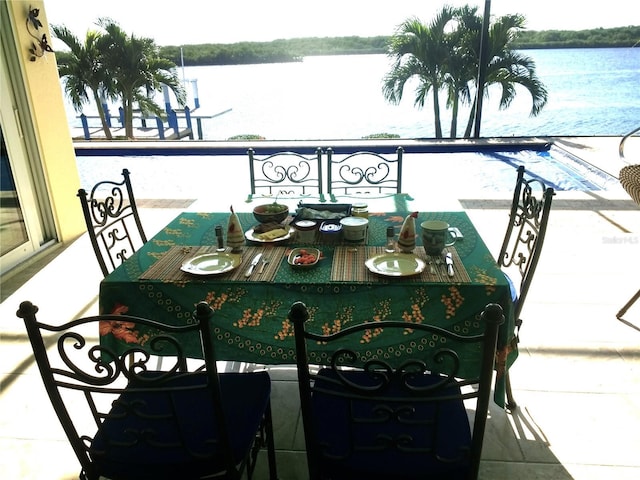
(591, 92)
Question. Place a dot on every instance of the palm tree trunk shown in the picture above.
(103, 116)
(472, 116)
(454, 116)
(436, 109)
(128, 117)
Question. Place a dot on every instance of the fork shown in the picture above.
(262, 265)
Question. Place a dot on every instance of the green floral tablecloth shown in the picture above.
(251, 314)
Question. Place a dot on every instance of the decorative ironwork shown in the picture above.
(122, 416)
(523, 242)
(40, 45)
(368, 417)
(381, 375)
(526, 230)
(364, 172)
(113, 223)
(286, 173)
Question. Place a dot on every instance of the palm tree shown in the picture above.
(419, 51)
(461, 65)
(508, 68)
(82, 70)
(446, 55)
(138, 72)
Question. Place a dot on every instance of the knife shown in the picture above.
(449, 261)
(254, 262)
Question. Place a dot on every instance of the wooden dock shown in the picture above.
(179, 126)
(139, 133)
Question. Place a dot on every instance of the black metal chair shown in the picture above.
(112, 220)
(522, 245)
(364, 173)
(126, 421)
(365, 417)
(285, 173)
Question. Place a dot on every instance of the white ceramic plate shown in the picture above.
(211, 263)
(252, 236)
(395, 264)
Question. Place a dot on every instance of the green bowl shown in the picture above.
(262, 215)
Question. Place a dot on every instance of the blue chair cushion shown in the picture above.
(512, 289)
(444, 429)
(245, 398)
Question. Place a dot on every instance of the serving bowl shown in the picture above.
(271, 212)
(304, 257)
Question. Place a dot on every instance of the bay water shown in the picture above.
(590, 92)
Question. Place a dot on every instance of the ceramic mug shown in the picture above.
(436, 235)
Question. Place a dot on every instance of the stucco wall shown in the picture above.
(50, 124)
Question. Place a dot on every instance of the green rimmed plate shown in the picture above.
(395, 264)
(211, 263)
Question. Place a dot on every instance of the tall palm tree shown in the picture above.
(445, 55)
(82, 70)
(461, 65)
(419, 51)
(508, 68)
(138, 72)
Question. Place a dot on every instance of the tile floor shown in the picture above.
(577, 380)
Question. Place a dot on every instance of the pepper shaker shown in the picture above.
(219, 238)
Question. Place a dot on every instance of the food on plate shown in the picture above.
(272, 234)
(267, 227)
(304, 258)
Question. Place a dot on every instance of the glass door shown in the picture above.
(13, 231)
(25, 214)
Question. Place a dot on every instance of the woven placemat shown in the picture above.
(348, 266)
(167, 268)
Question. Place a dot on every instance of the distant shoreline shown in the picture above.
(295, 49)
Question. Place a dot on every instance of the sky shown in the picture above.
(186, 22)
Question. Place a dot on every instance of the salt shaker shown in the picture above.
(390, 246)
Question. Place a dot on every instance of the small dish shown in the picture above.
(304, 257)
(395, 264)
(211, 263)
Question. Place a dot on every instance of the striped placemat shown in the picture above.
(167, 268)
(348, 266)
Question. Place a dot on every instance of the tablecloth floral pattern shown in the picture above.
(251, 322)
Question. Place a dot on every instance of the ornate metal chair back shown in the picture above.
(285, 173)
(113, 222)
(364, 173)
(125, 420)
(368, 415)
(524, 238)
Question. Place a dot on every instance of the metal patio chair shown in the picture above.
(364, 172)
(522, 244)
(125, 420)
(365, 417)
(113, 222)
(285, 174)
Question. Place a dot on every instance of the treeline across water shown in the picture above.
(291, 50)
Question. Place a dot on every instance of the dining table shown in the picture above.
(161, 281)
